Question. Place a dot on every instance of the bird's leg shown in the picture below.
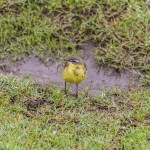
(65, 87)
(76, 90)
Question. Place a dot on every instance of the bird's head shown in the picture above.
(75, 60)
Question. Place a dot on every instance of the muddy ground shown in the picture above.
(98, 78)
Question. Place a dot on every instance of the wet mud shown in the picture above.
(98, 78)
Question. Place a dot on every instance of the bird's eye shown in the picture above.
(75, 61)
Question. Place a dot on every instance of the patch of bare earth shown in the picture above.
(98, 78)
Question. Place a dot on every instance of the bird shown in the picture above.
(75, 71)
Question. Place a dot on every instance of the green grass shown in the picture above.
(35, 117)
(119, 29)
(116, 120)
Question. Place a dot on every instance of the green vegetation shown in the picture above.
(35, 117)
(120, 29)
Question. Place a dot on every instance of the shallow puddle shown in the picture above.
(50, 73)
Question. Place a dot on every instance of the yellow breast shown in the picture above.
(74, 73)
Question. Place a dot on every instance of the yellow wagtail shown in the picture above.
(74, 71)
